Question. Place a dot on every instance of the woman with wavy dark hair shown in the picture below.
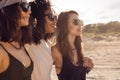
(15, 63)
(43, 30)
(67, 54)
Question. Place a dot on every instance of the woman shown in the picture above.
(67, 53)
(40, 50)
(15, 63)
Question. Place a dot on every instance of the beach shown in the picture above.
(106, 57)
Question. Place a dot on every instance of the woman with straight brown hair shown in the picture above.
(67, 54)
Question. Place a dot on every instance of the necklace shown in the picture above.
(15, 46)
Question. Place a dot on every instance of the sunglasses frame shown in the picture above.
(51, 17)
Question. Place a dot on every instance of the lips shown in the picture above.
(25, 17)
(78, 30)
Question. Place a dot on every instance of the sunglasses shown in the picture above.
(77, 22)
(39, 2)
(25, 6)
(51, 17)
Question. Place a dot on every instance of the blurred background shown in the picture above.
(100, 34)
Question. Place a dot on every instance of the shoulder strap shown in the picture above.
(4, 48)
(27, 52)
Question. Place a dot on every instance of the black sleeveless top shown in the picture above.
(16, 70)
(71, 72)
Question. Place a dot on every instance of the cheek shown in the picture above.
(72, 29)
(49, 27)
(24, 20)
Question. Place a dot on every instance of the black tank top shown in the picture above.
(16, 70)
(71, 72)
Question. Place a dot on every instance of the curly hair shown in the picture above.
(38, 13)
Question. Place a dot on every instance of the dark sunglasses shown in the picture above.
(39, 2)
(77, 22)
(25, 6)
(51, 17)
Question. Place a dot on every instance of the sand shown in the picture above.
(106, 58)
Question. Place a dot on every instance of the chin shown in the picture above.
(77, 34)
(25, 24)
(53, 31)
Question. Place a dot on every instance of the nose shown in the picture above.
(55, 19)
(29, 10)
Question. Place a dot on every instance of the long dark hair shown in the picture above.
(38, 12)
(62, 39)
(9, 26)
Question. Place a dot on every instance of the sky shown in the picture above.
(90, 11)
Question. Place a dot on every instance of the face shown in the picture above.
(74, 25)
(25, 14)
(50, 21)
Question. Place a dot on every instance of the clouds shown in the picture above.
(115, 5)
(91, 11)
(111, 12)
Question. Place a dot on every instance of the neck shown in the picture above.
(15, 45)
(71, 39)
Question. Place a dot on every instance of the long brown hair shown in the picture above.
(9, 26)
(62, 39)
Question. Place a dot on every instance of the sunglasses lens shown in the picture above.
(25, 6)
(77, 22)
(51, 17)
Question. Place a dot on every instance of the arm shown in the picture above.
(57, 59)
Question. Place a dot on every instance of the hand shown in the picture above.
(88, 63)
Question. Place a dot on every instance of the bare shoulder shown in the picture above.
(55, 51)
(3, 60)
(2, 54)
(57, 58)
(56, 55)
